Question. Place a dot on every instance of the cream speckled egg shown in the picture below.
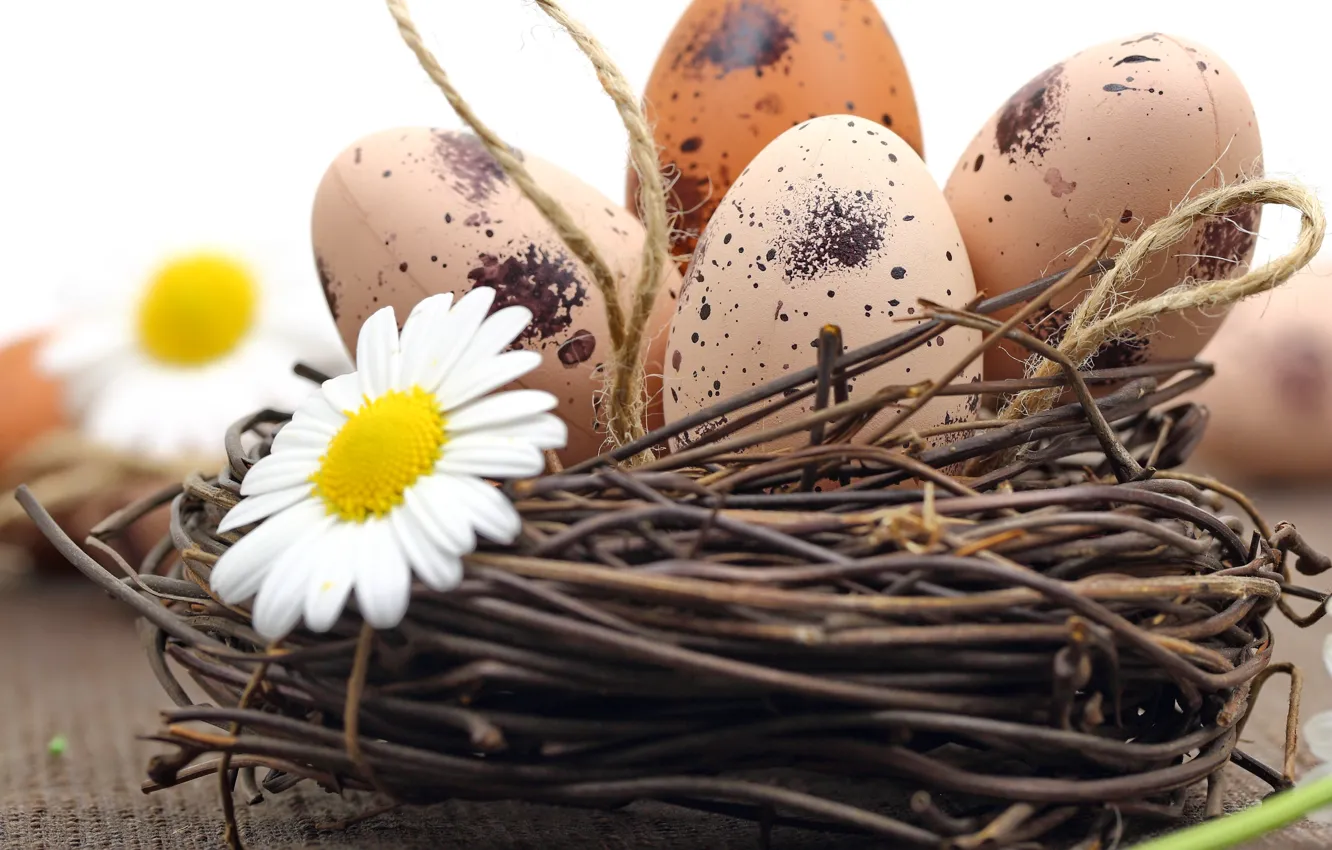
(1120, 132)
(412, 212)
(838, 222)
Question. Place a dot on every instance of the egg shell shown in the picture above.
(412, 212)
(837, 221)
(1271, 396)
(1120, 132)
(735, 74)
(33, 400)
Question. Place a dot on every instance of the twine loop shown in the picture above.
(1106, 312)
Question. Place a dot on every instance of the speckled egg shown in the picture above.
(33, 407)
(735, 74)
(1271, 396)
(1120, 132)
(408, 213)
(836, 222)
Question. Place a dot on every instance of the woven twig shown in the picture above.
(1013, 651)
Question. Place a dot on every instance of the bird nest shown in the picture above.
(1018, 632)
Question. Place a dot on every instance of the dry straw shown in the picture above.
(625, 381)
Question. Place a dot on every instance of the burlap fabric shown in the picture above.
(70, 664)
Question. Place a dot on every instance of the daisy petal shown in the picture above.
(493, 515)
(498, 330)
(437, 569)
(450, 337)
(301, 438)
(464, 385)
(375, 348)
(419, 335)
(437, 504)
(83, 346)
(1318, 735)
(344, 393)
(545, 431)
(317, 413)
(490, 457)
(241, 569)
(501, 409)
(254, 508)
(331, 580)
(383, 579)
(277, 472)
(277, 605)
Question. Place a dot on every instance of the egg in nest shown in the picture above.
(836, 222)
(408, 213)
(735, 74)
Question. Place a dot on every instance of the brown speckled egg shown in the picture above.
(408, 213)
(33, 407)
(1271, 396)
(1120, 132)
(735, 74)
(836, 222)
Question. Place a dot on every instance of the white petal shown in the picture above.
(438, 504)
(490, 457)
(278, 604)
(344, 393)
(439, 570)
(319, 414)
(383, 579)
(545, 431)
(451, 336)
(242, 568)
(84, 345)
(301, 438)
(501, 409)
(254, 508)
(1327, 647)
(1321, 772)
(494, 516)
(420, 335)
(375, 348)
(277, 472)
(331, 578)
(1318, 735)
(498, 330)
(477, 379)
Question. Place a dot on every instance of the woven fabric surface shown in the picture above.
(72, 666)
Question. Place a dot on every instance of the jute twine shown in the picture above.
(625, 388)
(1105, 313)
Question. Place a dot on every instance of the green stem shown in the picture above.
(1277, 811)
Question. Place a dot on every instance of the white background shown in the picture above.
(127, 126)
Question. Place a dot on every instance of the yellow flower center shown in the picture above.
(197, 309)
(378, 453)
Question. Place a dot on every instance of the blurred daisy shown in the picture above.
(379, 473)
(1318, 736)
(166, 369)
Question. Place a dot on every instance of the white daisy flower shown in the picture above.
(1318, 736)
(379, 473)
(168, 365)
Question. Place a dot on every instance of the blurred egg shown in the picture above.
(836, 222)
(408, 213)
(735, 74)
(1120, 132)
(33, 401)
(1271, 396)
